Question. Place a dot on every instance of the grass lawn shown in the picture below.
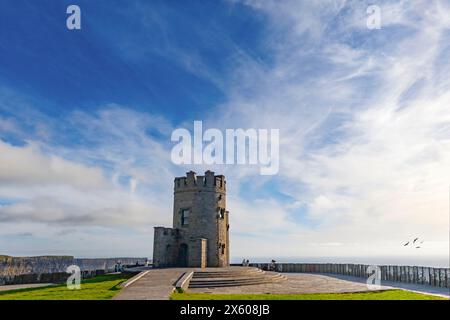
(98, 288)
(374, 295)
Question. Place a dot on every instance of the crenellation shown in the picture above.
(209, 178)
(191, 179)
(201, 181)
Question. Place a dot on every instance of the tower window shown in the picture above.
(185, 217)
(223, 249)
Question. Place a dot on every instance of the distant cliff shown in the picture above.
(106, 264)
(11, 266)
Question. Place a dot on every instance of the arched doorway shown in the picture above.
(183, 255)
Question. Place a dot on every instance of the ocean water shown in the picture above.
(435, 261)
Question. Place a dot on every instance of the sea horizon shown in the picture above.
(435, 262)
(432, 261)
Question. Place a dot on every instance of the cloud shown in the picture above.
(365, 148)
(29, 166)
(370, 165)
(116, 178)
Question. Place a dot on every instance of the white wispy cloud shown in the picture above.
(117, 179)
(363, 146)
(365, 140)
(28, 166)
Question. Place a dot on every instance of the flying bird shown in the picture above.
(415, 240)
(406, 244)
(418, 247)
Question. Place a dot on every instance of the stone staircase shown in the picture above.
(232, 276)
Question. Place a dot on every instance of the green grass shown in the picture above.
(373, 295)
(98, 288)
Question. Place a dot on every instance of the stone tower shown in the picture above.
(199, 236)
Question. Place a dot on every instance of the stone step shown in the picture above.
(242, 276)
(222, 270)
(223, 274)
(231, 272)
(234, 283)
(235, 269)
(220, 280)
(229, 278)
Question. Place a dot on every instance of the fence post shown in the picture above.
(432, 276)
(448, 278)
(436, 277)
(409, 277)
(422, 275)
(443, 280)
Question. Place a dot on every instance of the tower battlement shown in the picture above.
(199, 236)
(209, 181)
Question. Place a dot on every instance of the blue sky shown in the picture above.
(86, 117)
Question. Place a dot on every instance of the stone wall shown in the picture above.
(106, 264)
(200, 224)
(12, 266)
(437, 277)
(165, 246)
(205, 197)
(56, 277)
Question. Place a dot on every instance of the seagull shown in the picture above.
(415, 240)
(406, 244)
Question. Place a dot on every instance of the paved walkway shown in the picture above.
(23, 286)
(438, 291)
(155, 284)
(295, 283)
(322, 283)
(158, 284)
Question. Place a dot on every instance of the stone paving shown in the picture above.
(296, 283)
(322, 283)
(156, 284)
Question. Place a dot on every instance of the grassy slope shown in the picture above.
(98, 288)
(377, 295)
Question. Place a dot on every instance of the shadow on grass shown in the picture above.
(108, 277)
(7, 292)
